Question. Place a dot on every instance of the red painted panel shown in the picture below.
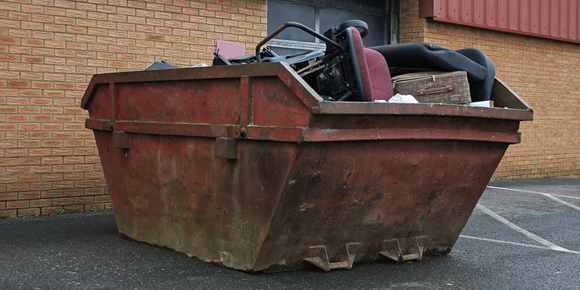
(514, 14)
(491, 13)
(564, 6)
(454, 9)
(545, 19)
(573, 16)
(555, 19)
(525, 16)
(535, 16)
(503, 15)
(467, 11)
(479, 12)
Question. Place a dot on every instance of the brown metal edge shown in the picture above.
(156, 128)
(299, 134)
(303, 91)
(519, 110)
(512, 99)
(209, 130)
(329, 135)
(101, 125)
(337, 108)
(192, 73)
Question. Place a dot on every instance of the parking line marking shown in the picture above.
(567, 196)
(528, 234)
(540, 193)
(504, 242)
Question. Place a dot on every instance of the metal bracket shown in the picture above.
(226, 148)
(226, 143)
(318, 256)
(121, 140)
(414, 251)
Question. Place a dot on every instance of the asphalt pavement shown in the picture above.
(524, 234)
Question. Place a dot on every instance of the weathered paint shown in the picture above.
(246, 167)
(555, 19)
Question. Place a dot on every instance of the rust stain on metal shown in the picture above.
(245, 167)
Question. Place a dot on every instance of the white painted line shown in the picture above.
(504, 242)
(512, 243)
(522, 231)
(540, 193)
(567, 196)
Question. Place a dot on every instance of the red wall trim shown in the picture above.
(553, 19)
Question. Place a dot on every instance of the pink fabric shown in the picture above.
(374, 71)
(381, 84)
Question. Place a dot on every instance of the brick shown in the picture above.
(16, 152)
(28, 143)
(51, 160)
(106, 9)
(73, 176)
(49, 11)
(29, 195)
(84, 200)
(8, 127)
(40, 135)
(8, 196)
(9, 109)
(9, 23)
(73, 208)
(7, 213)
(18, 187)
(41, 203)
(94, 175)
(52, 177)
(29, 212)
(16, 135)
(51, 194)
(73, 192)
(48, 210)
(19, 66)
(62, 201)
(18, 84)
(17, 204)
(102, 198)
(41, 169)
(16, 170)
(63, 185)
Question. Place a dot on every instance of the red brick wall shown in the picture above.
(49, 49)
(545, 73)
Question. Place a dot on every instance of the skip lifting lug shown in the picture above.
(414, 251)
(318, 256)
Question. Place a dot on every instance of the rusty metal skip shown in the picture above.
(249, 168)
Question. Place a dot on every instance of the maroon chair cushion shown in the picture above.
(381, 84)
(375, 74)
